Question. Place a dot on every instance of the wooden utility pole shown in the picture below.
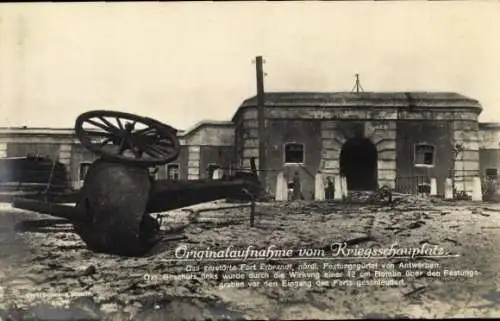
(261, 119)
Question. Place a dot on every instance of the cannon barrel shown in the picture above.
(169, 195)
(52, 209)
(166, 196)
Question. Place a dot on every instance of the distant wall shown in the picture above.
(210, 135)
(489, 150)
(49, 150)
(489, 136)
(208, 143)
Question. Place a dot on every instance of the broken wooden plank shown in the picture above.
(451, 240)
(491, 209)
(358, 240)
(417, 290)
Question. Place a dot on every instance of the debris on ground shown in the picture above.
(47, 271)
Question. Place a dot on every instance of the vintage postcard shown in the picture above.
(249, 160)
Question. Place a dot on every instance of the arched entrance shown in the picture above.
(358, 162)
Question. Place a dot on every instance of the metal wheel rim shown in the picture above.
(150, 144)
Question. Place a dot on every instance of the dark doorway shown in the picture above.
(358, 162)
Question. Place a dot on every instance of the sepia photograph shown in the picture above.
(249, 160)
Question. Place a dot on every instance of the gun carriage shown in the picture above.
(114, 206)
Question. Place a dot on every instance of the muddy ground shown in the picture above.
(46, 272)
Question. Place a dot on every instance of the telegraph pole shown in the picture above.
(261, 119)
(357, 85)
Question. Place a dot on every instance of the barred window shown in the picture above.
(424, 155)
(492, 173)
(294, 153)
(424, 188)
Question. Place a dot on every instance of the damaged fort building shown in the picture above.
(413, 142)
(407, 141)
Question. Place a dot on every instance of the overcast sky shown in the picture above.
(186, 62)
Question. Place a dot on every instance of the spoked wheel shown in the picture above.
(127, 138)
(384, 195)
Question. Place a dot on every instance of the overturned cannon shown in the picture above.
(112, 212)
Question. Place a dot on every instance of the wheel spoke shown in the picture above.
(150, 153)
(144, 140)
(154, 149)
(102, 126)
(105, 121)
(165, 143)
(164, 149)
(119, 123)
(144, 131)
(152, 135)
(152, 144)
(147, 145)
(99, 134)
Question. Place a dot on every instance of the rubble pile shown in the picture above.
(420, 201)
